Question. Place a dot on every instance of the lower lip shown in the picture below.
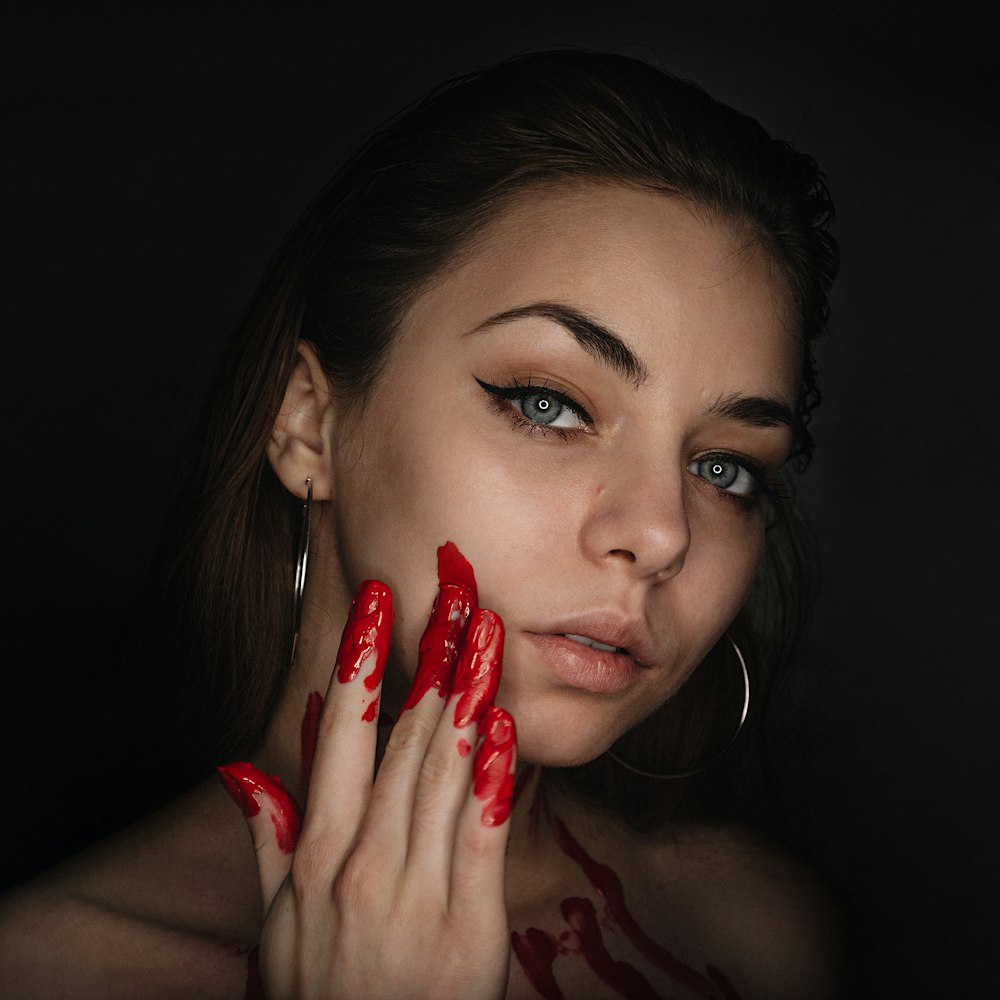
(584, 667)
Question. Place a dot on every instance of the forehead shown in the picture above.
(678, 284)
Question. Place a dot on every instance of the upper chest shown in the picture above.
(613, 921)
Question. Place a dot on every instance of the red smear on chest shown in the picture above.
(609, 885)
(454, 568)
(582, 919)
(308, 735)
(251, 789)
(536, 953)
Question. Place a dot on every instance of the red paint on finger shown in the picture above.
(620, 976)
(609, 885)
(440, 643)
(464, 748)
(367, 634)
(477, 674)
(308, 735)
(370, 714)
(251, 789)
(455, 569)
(492, 769)
(536, 952)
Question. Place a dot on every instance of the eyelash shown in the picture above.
(769, 489)
(504, 395)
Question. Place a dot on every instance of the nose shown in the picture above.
(638, 519)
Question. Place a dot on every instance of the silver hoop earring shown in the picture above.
(301, 563)
(655, 776)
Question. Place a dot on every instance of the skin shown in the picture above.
(609, 521)
(613, 518)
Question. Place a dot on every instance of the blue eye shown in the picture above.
(546, 408)
(727, 473)
(539, 408)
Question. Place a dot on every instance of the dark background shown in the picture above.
(154, 162)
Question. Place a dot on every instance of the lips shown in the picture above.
(585, 668)
(606, 631)
(594, 644)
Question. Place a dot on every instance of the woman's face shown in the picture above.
(590, 405)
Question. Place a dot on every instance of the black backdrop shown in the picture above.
(154, 163)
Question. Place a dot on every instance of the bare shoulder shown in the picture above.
(153, 912)
(768, 913)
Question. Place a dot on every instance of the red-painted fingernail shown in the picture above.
(367, 633)
(439, 643)
(250, 789)
(454, 568)
(492, 769)
(477, 675)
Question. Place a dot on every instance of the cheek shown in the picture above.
(723, 562)
(417, 483)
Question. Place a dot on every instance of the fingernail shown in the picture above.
(477, 675)
(454, 568)
(368, 632)
(492, 769)
(440, 642)
(250, 788)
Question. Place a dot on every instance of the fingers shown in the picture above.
(445, 774)
(343, 765)
(273, 818)
(477, 865)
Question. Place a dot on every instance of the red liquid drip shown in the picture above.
(308, 735)
(454, 568)
(254, 989)
(370, 714)
(536, 952)
(368, 631)
(621, 976)
(250, 788)
(464, 748)
(492, 771)
(477, 674)
(440, 643)
(609, 885)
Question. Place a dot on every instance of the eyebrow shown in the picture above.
(597, 340)
(610, 349)
(755, 411)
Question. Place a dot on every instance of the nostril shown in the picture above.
(625, 553)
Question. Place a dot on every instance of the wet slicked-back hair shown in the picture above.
(395, 216)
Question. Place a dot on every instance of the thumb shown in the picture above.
(273, 818)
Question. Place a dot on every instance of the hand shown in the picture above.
(393, 888)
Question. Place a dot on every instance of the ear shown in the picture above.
(301, 442)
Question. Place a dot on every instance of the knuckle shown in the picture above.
(353, 885)
(309, 870)
(438, 767)
(410, 735)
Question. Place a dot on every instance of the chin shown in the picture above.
(563, 738)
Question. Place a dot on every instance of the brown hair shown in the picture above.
(392, 218)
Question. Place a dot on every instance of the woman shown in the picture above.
(559, 315)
